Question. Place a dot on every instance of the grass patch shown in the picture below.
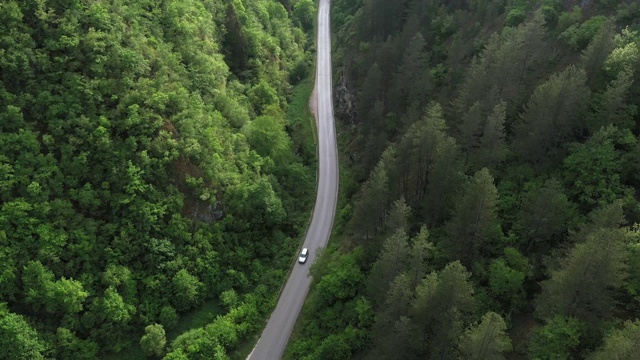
(199, 317)
(301, 124)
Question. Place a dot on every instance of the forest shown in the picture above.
(490, 177)
(150, 167)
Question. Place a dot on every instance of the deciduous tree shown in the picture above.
(153, 340)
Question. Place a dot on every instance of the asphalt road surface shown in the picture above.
(275, 336)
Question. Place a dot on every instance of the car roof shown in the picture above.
(304, 251)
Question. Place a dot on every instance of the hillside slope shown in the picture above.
(146, 168)
(491, 196)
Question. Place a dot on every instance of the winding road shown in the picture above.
(275, 336)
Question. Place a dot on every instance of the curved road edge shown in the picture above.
(275, 336)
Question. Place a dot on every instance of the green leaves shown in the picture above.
(186, 290)
(593, 170)
(339, 283)
(506, 284)
(18, 340)
(620, 343)
(153, 340)
(555, 340)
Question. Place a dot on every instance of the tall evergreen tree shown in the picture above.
(487, 340)
(620, 344)
(474, 231)
(553, 117)
(585, 284)
(411, 83)
(543, 217)
(391, 263)
(443, 301)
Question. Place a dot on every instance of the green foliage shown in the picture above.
(336, 315)
(128, 191)
(633, 282)
(486, 340)
(442, 302)
(555, 340)
(579, 36)
(338, 283)
(474, 232)
(625, 55)
(186, 289)
(553, 116)
(506, 284)
(620, 343)
(569, 19)
(515, 16)
(168, 317)
(153, 340)
(583, 287)
(593, 169)
(18, 339)
(304, 13)
(69, 346)
(545, 215)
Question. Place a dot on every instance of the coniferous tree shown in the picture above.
(474, 231)
(553, 117)
(391, 262)
(487, 340)
(620, 344)
(442, 302)
(411, 83)
(583, 287)
(394, 315)
(544, 216)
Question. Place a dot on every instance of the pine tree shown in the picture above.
(411, 82)
(492, 148)
(391, 262)
(370, 205)
(487, 340)
(553, 117)
(620, 344)
(584, 285)
(443, 300)
(543, 217)
(474, 231)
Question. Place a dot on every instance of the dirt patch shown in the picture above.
(194, 208)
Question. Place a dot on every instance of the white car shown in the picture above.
(303, 256)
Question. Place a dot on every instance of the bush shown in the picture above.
(579, 36)
(515, 17)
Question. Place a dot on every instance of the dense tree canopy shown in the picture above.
(145, 168)
(509, 130)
